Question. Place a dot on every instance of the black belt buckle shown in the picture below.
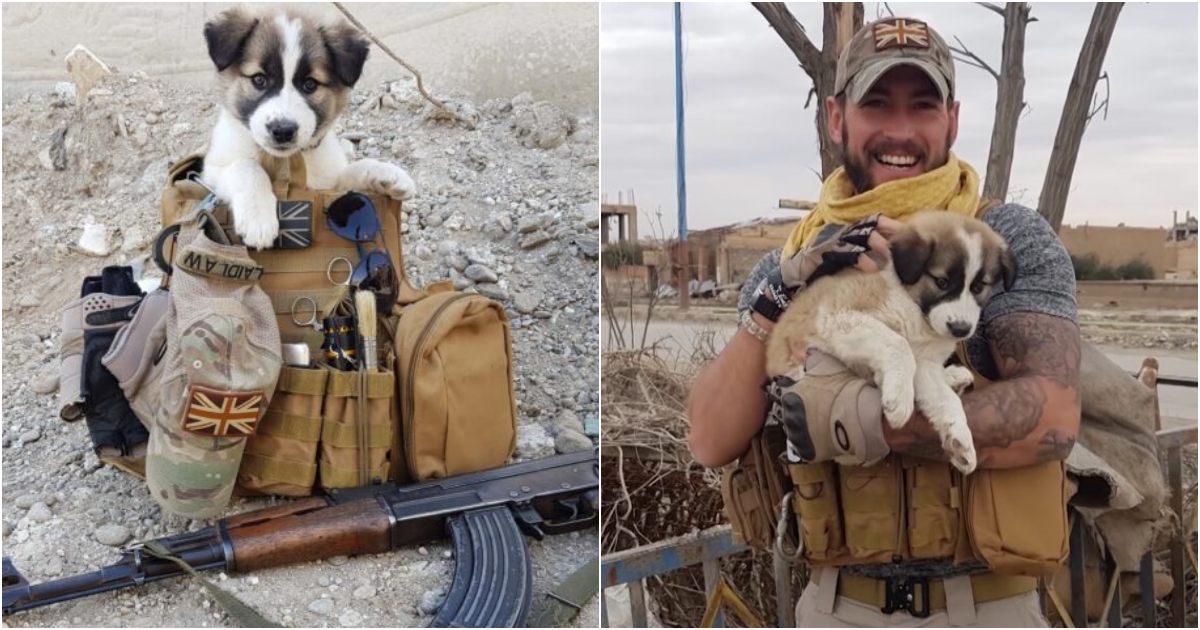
(908, 594)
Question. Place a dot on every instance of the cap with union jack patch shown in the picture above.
(884, 44)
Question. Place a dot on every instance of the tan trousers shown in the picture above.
(1019, 611)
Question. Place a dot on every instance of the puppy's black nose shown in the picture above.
(959, 329)
(283, 131)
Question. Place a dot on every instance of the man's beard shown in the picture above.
(858, 172)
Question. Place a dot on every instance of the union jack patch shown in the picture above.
(900, 33)
(295, 225)
(219, 413)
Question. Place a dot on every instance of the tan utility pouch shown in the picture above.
(870, 510)
(455, 386)
(282, 457)
(754, 487)
(353, 420)
(816, 507)
(1017, 518)
(934, 497)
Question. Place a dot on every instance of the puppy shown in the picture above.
(283, 80)
(900, 325)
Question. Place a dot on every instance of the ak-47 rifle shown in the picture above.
(484, 514)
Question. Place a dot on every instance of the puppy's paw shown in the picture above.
(255, 219)
(897, 397)
(960, 446)
(391, 180)
(957, 377)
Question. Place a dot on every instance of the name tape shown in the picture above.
(219, 267)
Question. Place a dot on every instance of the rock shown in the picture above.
(46, 383)
(86, 70)
(533, 441)
(591, 214)
(323, 581)
(134, 239)
(28, 300)
(422, 252)
(492, 290)
(534, 239)
(40, 512)
(458, 262)
(568, 421)
(504, 221)
(588, 247)
(94, 239)
(58, 150)
(481, 273)
(460, 282)
(31, 435)
(422, 551)
(178, 129)
(433, 220)
(51, 567)
(570, 441)
(530, 224)
(112, 535)
(454, 222)
(322, 606)
(526, 302)
(366, 591)
(337, 561)
(447, 248)
(541, 125)
(351, 619)
(8, 527)
(65, 93)
(480, 257)
(431, 601)
(152, 118)
(26, 501)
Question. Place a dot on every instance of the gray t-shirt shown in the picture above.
(1045, 281)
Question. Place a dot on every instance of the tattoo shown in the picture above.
(1054, 445)
(1005, 414)
(1033, 343)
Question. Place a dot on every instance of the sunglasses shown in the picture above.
(354, 218)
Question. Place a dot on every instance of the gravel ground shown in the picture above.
(515, 194)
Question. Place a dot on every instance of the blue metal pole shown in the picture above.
(681, 192)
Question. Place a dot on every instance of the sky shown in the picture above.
(750, 141)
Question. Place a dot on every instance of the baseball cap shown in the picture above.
(884, 44)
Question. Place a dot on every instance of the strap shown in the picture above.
(311, 259)
(345, 385)
(274, 470)
(290, 426)
(296, 380)
(327, 297)
(335, 477)
(345, 435)
(246, 616)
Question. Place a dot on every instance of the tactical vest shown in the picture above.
(1013, 521)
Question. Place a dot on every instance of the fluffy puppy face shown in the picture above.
(283, 76)
(950, 265)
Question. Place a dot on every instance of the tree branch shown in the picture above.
(792, 34)
(1103, 105)
(971, 59)
(997, 9)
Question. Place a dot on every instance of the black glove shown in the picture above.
(835, 253)
(111, 423)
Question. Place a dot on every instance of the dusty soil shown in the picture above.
(525, 168)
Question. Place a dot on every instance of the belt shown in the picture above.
(920, 596)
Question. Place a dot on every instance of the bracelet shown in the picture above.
(746, 322)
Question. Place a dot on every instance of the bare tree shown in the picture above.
(1079, 108)
(1010, 93)
(842, 20)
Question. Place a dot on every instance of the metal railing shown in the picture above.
(706, 548)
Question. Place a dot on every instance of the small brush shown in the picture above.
(364, 305)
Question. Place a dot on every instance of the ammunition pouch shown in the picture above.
(755, 488)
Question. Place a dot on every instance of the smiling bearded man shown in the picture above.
(895, 536)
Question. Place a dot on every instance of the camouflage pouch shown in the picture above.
(219, 371)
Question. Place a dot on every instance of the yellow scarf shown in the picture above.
(954, 187)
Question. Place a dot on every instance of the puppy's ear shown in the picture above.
(347, 52)
(910, 253)
(1008, 268)
(226, 36)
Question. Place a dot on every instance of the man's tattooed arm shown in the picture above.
(1031, 414)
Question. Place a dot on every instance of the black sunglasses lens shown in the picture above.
(353, 217)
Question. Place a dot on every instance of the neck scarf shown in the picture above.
(954, 186)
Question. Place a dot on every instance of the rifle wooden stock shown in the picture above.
(312, 532)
